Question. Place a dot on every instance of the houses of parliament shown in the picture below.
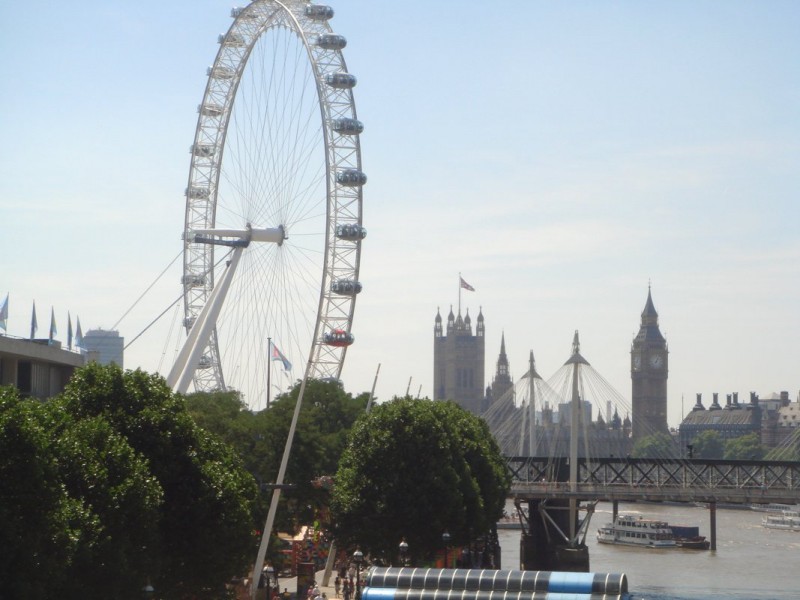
(459, 375)
(459, 372)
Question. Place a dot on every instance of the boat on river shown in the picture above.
(773, 507)
(688, 536)
(788, 520)
(627, 530)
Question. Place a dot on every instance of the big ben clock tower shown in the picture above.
(649, 361)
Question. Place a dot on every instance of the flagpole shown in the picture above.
(269, 367)
(459, 292)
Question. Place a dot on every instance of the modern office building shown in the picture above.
(106, 347)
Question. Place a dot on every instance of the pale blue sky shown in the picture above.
(558, 154)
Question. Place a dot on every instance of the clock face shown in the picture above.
(656, 361)
(637, 361)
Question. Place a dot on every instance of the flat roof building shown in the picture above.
(37, 368)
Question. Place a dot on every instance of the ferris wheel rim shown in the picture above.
(342, 172)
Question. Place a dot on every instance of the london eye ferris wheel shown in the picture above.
(273, 225)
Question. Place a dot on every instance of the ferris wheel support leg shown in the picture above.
(183, 370)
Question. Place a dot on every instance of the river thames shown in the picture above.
(751, 562)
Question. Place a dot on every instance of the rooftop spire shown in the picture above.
(576, 351)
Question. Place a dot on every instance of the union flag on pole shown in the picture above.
(465, 285)
(276, 354)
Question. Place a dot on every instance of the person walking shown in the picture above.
(337, 585)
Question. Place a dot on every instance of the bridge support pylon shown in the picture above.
(543, 544)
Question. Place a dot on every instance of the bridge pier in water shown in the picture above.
(542, 543)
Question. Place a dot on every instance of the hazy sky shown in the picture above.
(559, 155)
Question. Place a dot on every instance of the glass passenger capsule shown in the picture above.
(331, 41)
(338, 338)
(193, 280)
(198, 193)
(204, 362)
(220, 72)
(351, 178)
(351, 232)
(347, 126)
(341, 80)
(233, 39)
(203, 150)
(319, 12)
(188, 322)
(346, 287)
(210, 110)
(240, 12)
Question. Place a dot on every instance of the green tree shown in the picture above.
(708, 444)
(326, 417)
(36, 514)
(414, 469)
(77, 505)
(205, 522)
(745, 447)
(658, 445)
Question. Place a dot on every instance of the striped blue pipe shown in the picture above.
(490, 580)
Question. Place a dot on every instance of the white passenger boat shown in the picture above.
(634, 531)
(788, 520)
(772, 507)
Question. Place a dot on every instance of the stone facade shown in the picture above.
(458, 361)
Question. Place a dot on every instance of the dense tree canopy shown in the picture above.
(112, 485)
(708, 444)
(77, 505)
(414, 469)
(746, 447)
(658, 445)
(327, 414)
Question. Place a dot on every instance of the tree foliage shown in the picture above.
(112, 485)
(327, 414)
(78, 506)
(658, 445)
(708, 444)
(205, 523)
(745, 447)
(414, 469)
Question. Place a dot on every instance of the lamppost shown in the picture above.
(446, 540)
(148, 591)
(358, 558)
(403, 552)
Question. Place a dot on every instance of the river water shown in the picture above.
(750, 563)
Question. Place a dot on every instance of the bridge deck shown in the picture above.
(741, 482)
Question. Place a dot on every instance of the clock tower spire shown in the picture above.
(649, 362)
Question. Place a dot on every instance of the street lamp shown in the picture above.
(148, 591)
(446, 540)
(358, 558)
(403, 552)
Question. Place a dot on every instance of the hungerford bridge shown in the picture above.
(553, 535)
(556, 495)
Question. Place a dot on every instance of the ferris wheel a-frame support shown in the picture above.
(182, 372)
